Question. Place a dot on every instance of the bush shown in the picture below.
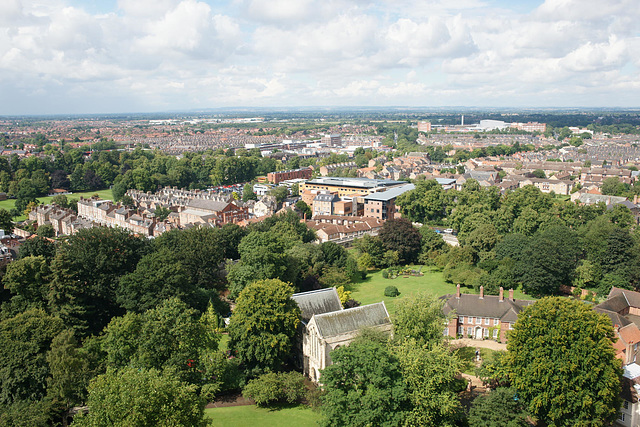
(391, 291)
(385, 274)
(274, 387)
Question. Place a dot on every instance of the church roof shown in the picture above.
(351, 320)
(317, 302)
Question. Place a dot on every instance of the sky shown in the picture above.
(108, 56)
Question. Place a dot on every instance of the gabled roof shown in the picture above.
(317, 302)
(630, 334)
(632, 297)
(489, 306)
(616, 319)
(351, 320)
(616, 303)
(210, 205)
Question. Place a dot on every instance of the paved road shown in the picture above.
(450, 239)
(490, 344)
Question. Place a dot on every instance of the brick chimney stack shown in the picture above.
(458, 290)
(501, 294)
(511, 294)
(481, 292)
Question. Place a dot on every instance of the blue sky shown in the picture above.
(104, 56)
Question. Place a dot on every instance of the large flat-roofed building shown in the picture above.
(346, 186)
(382, 205)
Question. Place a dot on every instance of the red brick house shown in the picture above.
(482, 316)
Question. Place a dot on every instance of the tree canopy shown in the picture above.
(563, 365)
(263, 325)
(142, 398)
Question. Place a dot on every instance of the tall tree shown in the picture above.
(419, 318)
(263, 325)
(430, 374)
(401, 236)
(364, 386)
(500, 408)
(6, 221)
(169, 336)
(158, 276)
(141, 398)
(88, 268)
(563, 365)
(69, 372)
(25, 340)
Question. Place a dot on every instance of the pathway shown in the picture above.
(490, 344)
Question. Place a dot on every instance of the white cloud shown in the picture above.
(152, 54)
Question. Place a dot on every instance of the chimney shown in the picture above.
(458, 290)
(501, 294)
(511, 294)
(481, 292)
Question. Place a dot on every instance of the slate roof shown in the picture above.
(616, 319)
(351, 320)
(616, 302)
(210, 205)
(632, 297)
(317, 302)
(489, 306)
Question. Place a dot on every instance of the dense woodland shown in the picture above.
(526, 238)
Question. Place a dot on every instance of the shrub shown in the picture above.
(385, 274)
(274, 387)
(391, 291)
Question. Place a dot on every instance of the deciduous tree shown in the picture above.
(263, 325)
(563, 364)
(142, 398)
(364, 386)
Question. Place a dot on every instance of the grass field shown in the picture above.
(252, 416)
(371, 289)
(11, 203)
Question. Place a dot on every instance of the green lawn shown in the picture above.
(371, 290)
(11, 203)
(252, 416)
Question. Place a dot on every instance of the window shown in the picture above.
(478, 320)
(460, 330)
(625, 404)
(469, 331)
(621, 416)
(486, 321)
(510, 325)
(496, 322)
(461, 319)
(495, 334)
(485, 332)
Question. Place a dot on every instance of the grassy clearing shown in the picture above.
(371, 289)
(251, 416)
(11, 203)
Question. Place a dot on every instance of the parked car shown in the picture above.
(448, 230)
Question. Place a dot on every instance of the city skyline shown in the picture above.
(73, 56)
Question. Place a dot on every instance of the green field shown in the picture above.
(252, 416)
(371, 289)
(11, 203)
